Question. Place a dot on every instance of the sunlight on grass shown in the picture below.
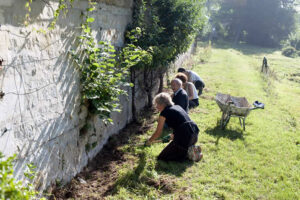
(262, 162)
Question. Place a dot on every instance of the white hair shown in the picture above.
(163, 99)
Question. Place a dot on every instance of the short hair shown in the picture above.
(182, 77)
(181, 69)
(177, 81)
(163, 99)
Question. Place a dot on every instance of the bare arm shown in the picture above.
(190, 91)
(158, 131)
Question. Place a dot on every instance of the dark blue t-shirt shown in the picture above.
(183, 127)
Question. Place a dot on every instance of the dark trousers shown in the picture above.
(199, 86)
(175, 152)
(193, 103)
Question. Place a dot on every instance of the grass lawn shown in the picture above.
(262, 162)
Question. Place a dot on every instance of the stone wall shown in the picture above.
(42, 119)
(41, 113)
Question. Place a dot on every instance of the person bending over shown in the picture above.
(194, 78)
(180, 96)
(190, 90)
(185, 131)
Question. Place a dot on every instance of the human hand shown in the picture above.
(172, 136)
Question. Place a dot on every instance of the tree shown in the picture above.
(167, 30)
(258, 22)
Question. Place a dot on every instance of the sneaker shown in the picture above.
(194, 153)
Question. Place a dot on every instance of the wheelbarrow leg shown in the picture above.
(222, 119)
(240, 122)
(244, 118)
(225, 121)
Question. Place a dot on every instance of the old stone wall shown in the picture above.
(42, 118)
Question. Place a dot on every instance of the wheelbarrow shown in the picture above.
(235, 107)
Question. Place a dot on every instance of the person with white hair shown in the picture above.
(185, 131)
(180, 96)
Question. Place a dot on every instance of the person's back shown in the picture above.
(183, 127)
(193, 95)
(175, 116)
(194, 78)
(181, 98)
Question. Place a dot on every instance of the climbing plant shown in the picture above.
(9, 187)
(104, 73)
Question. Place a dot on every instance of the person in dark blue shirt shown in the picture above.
(180, 96)
(185, 131)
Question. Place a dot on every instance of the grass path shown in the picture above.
(262, 162)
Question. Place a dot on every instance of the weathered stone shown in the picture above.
(41, 116)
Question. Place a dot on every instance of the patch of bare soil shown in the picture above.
(99, 176)
(166, 184)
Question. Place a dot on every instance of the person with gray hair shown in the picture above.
(185, 131)
(180, 96)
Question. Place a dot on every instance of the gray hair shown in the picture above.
(177, 81)
(163, 99)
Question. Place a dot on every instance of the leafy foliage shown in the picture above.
(167, 27)
(103, 74)
(9, 187)
(259, 22)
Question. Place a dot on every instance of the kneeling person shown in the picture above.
(190, 90)
(185, 131)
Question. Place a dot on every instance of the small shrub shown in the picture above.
(9, 187)
(294, 39)
(289, 51)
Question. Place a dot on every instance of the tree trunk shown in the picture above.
(133, 108)
(161, 82)
(238, 35)
(150, 98)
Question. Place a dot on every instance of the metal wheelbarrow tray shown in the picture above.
(233, 107)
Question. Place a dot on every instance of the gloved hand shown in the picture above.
(166, 139)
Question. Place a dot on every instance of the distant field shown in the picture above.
(262, 162)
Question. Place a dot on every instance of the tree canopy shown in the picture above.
(258, 22)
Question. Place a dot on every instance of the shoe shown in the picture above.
(194, 153)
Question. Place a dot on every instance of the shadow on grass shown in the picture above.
(219, 133)
(174, 168)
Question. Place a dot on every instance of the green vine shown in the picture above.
(63, 7)
(9, 187)
(27, 15)
(103, 73)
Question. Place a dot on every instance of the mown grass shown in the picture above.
(262, 162)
